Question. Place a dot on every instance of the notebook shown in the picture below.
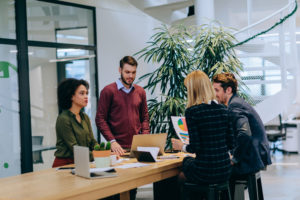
(82, 165)
(149, 140)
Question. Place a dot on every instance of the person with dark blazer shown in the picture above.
(251, 152)
(210, 133)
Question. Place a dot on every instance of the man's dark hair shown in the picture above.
(128, 60)
(66, 90)
(227, 80)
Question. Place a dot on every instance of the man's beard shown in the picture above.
(124, 81)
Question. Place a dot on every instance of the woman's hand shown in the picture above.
(177, 144)
(230, 156)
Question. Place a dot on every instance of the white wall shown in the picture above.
(122, 30)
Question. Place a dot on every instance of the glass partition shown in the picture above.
(7, 19)
(59, 23)
(48, 67)
(10, 160)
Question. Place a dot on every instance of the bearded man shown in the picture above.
(122, 109)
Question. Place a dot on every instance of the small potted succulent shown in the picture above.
(101, 154)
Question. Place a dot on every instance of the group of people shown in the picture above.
(226, 134)
(122, 112)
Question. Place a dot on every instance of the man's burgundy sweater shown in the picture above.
(121, 115)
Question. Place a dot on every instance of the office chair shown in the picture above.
(276, 131)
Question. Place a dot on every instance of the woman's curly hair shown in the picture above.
(66, 90)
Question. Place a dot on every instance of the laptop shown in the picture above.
(82, 165)
(149, 140)
(144, 156)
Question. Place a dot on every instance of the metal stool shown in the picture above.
(254, 185)
(212, 191)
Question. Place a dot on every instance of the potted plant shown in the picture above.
(101, 154)
(169, 50)
(176, 51)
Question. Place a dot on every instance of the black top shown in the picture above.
(211, 138)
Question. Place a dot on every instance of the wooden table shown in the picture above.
(52, 184)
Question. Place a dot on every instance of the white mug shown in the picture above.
(113, 159)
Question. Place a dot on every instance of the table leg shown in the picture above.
(125, 195)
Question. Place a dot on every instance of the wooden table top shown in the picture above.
(53, 184)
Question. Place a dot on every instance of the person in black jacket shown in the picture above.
(210, 134)
(251, 152)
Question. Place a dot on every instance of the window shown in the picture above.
(60, 44)
(59, 23)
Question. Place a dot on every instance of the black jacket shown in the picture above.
(251, 152)
(211, 138)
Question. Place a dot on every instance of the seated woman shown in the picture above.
(73, 126)
(210, 134)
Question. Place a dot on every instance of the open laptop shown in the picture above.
(149, 140)
(82, 165)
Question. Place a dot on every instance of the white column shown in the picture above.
(249, 11)
(282, 53)
(204, 11)
(249, 14)
(294, 53)
(282, 56)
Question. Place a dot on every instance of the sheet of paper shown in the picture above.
(153, 150)
(169, 157)
(132, 165)
(181, 129)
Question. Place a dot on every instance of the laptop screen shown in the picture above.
(82, 161)
(149, 140)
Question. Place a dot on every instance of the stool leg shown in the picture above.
(211, 194)
(185, 193)
(260, 189)
(239, 193)
(228, 193)
(252, 187)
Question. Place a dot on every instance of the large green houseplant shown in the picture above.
(169, 49)
(176, 51)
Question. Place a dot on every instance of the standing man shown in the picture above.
(251, 152)
(122, 109)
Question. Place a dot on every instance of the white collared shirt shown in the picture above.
(120, 86)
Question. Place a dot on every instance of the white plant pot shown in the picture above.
(102, 162)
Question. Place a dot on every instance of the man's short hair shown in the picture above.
(227, 80)
(128, 60)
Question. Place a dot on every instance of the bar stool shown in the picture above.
(253, 182)
(212, 191)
